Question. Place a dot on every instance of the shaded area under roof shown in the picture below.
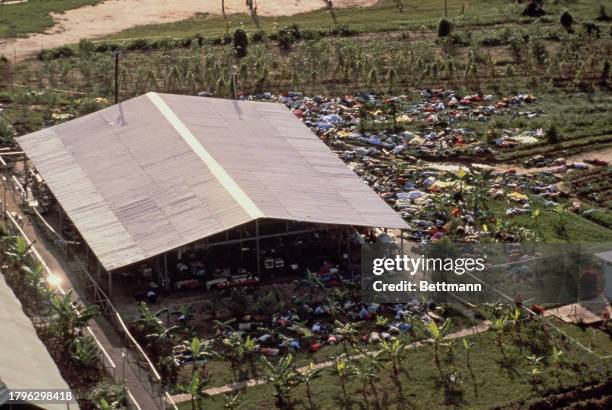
(160, 171)
(25, 362)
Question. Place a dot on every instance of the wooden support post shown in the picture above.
(60, 216)
(98, 270)
(257, 247)
(25, 178)
(340, 246)
(110, 285)
(5, 182)
(166, 281)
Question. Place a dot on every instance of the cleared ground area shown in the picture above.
(116, 15)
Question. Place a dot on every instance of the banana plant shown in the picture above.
(392, 353)
(149, 322)
(437, 334)
(308, 374)
(162, 341)
(18, 250)
(366, 371)
(67, 319)
(196, 390)
(343, 368)
(283, 377)
(557, 355)
(499, 325)
(84, 352)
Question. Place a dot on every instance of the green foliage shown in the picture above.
(67, 319)
(240, 42)
(566, 20)
(283, 377)
(55, 53)
(552, 134)
(444, 28)
(18, 20)
(84, 352)
(113, 395)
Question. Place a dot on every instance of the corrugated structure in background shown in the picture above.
(160, 171)
(25, 362)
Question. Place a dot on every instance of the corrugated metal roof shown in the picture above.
(160, 171)
(25, 362)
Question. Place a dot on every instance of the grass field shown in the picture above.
(18, 20)
(383, 17)
(576, 228)
(492, 379)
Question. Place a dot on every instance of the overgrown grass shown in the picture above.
(34, 16)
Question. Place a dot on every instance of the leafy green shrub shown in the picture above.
(591, 28)
(163, 44)
(343, 31)
(55, 53)
(241, 43)
(552, 134)
(86, 47)
(7, 132)
(141, 44)
(89, 105)
(498, 38)
(288, 36)
(444, 28)
(105, 47)
(566, 20)
(311, 35)
(535, 8)
(197, 40)
(294, 30)
(110, 396)
(259, 36)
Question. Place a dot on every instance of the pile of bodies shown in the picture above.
(389, 141)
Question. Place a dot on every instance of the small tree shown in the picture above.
(343, 369)
(500, 327)
(241, 42)
(602, 15)
(393, 353)
(552, 134)
(567, 21)
(283, 378)
(308, 374)
(535, 8)
(196, 390)
(438, 333)
(7, 132)
(367, 371)
(444, 28)
(67, 319)
(84, 352)
(468, 347)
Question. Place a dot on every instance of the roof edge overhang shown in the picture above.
(176, 247)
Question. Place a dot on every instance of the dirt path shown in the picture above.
(113, 16)
(596, 153)
(228, 388)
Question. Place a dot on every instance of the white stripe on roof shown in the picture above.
(215, 168)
